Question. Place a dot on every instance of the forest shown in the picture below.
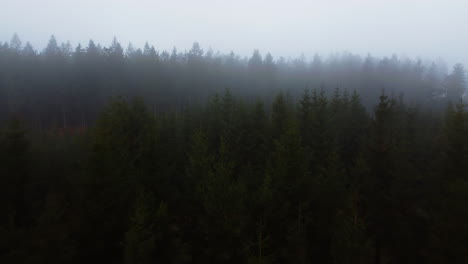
(147, 156)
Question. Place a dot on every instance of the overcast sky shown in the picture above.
(416, 28)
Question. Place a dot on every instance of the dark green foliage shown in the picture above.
(451, 207)
(280, 116)
(15, 173)
(122, 156)
(322, 181)
(145, 229)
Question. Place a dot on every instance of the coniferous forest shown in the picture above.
(113, 155)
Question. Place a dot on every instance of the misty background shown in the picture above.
(429, 29)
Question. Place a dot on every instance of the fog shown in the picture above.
(318, 131)
(430, 29)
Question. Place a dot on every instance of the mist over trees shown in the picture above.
(68, 86)
(114, 155)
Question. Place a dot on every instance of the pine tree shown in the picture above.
(115, 55)
(15, 43)
(195, 54)
(305, 117)
(321, 135)
(142, 236)
(350, 243)
(451, 209)
(456, 145)
(355, 127)
(28, 50)
(66, 49)
(378, 187)
(15, 175)
(258, 136)
(52, 239)
(150, 52)
(280, 116)
(290, 190)
(256, 61)
(220, 195)
(92, 51)
(15, 215)
(52, 50)
(456, 83)
(122, 156)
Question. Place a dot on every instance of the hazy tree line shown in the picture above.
(229, 160)
(65, 86)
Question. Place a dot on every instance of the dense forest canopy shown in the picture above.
(146, 156)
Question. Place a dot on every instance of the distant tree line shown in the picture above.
(65, 86)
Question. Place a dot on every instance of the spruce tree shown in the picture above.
(456, 83)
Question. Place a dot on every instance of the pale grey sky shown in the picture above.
(415, 28)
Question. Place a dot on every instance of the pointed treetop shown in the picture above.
(52, 48)
(92, 49)
(147, 46)
(174, 55)
(269, 60)
(66, 48)
(79, 48)
(115, 48)
(28, 49)
(256, 59)
(91, 44)
(150, 51)
(130, 49)
(196, 50)
(15, 43)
